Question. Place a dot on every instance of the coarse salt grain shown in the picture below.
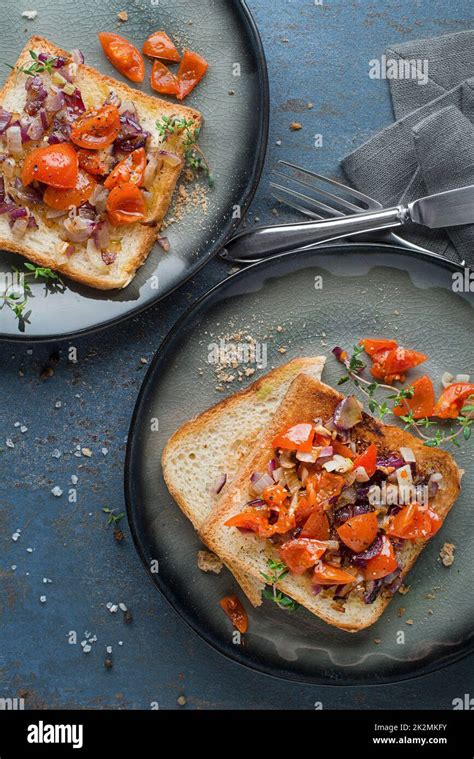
(57, 491)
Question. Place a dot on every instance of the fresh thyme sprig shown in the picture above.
(113, 518)
(37, 67)
(278, 570)
(193, 154)
(16, 301)
(355, 366)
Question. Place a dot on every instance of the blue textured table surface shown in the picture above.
(315, 54)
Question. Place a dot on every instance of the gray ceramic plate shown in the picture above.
(234, 139)
(367, 291)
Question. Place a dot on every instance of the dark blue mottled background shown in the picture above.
(315, 54)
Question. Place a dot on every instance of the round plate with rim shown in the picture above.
(304, 304)
(234, 139)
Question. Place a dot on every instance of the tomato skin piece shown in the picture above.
(414, 523)
(90, 161)
(359, 532)
(125, 205)
(371, 347)
(421, 404)
(97, 128)
(191, 70)
(233, 608)
(367, 460)
(275, 495)
(451, 401)
(299, 437)
(342, 450)
(130, 169)
(124, 56)
(54, 165)
(325, 574)
(317, 525)
(163, 80)
(159, 45)
(301, 554)
(61, 200)
(252, 521)
(383, 564)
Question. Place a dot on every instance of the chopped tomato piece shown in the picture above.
(317, 525)
(359, 532)
(367, 460)
(297, 438)
(422, 402)
(61, 200)
(371, 347)
(383, 564)
(341, 449)
(163, 80)
(301, 554)
(236, 612)
(125, 205)
(392, 365)
(414, 523)
(123, 55)
(159, 45)
(92, 162)
(252, 520)
(130, 169)
(452, 400)
(322, 486)
(191, 70)
(275, 495)
(54, 165)
(325, 574)
(96, 128)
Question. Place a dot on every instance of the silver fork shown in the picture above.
(329, 199)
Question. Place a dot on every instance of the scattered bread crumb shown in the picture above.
(403, 589)
(408, 621)
(401, 611)
(122, 16)
(295, 126)
(377, 640)
(209, 562)
(447, 554)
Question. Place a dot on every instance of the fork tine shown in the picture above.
(349, 207)
(370, 202)
(296, 206)
(330, 211)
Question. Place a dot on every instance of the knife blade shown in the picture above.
(445, 209)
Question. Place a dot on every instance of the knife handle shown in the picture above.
(252, 245)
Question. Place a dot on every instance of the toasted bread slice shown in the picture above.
(44, 246)
(218, 442)
(306, 399)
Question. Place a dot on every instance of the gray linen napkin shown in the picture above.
(430, 148)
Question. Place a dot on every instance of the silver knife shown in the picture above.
(445, 209)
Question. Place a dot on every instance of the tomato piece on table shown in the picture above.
(54, 165)
(125, 205)
(452, 400)
(359, 532)
(367, 460)
(383, 564)
(236, 612)
(124, 56)
(97, 128)
(275, 495)
(297, 438)
(421, 404)
(159, 45)
(316, 525)
(92, 162)
(163, 80)
(191, 70)
(325, 574)
(301, 554)
(61, 200)
(371, 347)
(414, 523)
(130, 169)
(393, 364)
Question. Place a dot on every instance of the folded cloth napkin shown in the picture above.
(430, 147)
